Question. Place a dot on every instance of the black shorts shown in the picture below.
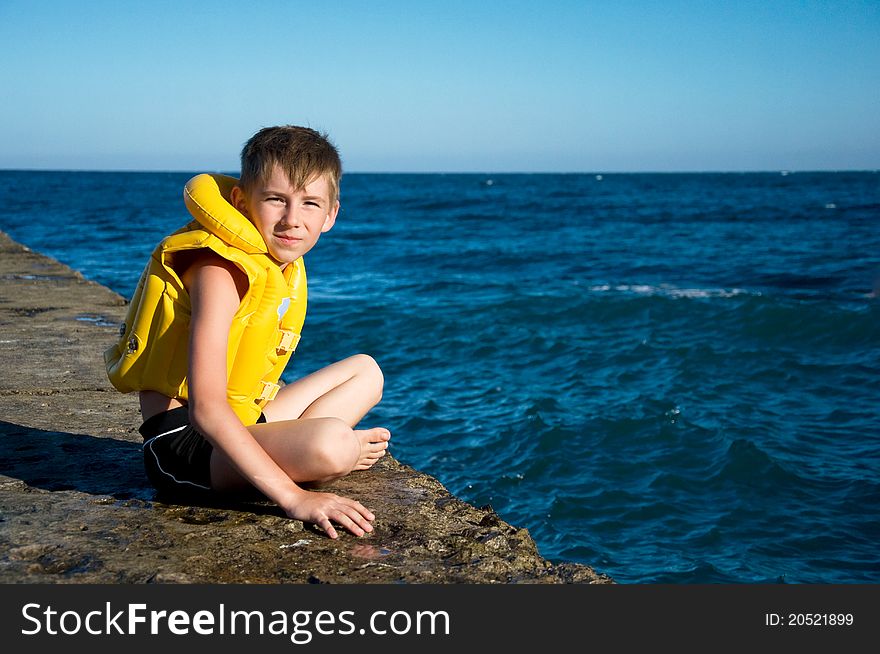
(177, 458)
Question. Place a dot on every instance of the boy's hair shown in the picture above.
(302, 153)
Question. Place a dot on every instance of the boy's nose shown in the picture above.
(290, 218)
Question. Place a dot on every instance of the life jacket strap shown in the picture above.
(268, 391)
(288, 341)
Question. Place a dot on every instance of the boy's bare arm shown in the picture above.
(215, 299)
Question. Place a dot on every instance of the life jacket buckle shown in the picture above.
(288, 341)
(268, 391)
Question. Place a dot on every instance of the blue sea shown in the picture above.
(673, 378)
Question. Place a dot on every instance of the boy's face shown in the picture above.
(289, 221)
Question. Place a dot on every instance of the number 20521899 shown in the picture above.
(808, 619)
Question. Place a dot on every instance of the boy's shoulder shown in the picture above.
(206, 266)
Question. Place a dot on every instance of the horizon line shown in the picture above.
(708, 171)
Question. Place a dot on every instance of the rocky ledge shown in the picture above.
(75, 505)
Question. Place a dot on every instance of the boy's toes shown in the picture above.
(375, 435)
(382, 434)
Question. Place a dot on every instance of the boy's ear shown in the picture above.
(237, 200)
(330, 220)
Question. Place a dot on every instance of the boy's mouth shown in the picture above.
(288, 240)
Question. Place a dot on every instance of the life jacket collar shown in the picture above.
(207, 196)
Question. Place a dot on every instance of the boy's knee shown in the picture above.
(370, 370)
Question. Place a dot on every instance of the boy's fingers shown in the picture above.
(363, 518)
(361, 509)
(358, 515)
(350, 514)
(349, 524)
(328, 528)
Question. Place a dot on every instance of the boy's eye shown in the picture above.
(312, 203)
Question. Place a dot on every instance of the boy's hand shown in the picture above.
(320, 508)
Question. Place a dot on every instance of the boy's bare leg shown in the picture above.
(308, 450)
(347, 389)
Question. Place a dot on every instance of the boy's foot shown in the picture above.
(373, 442)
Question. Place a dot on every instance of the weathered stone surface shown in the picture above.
(75, 505)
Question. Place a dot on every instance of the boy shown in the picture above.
(232, 282)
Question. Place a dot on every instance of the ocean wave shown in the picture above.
(667, 290)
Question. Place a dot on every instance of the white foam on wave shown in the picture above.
(667, 290)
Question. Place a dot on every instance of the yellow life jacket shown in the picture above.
(153, 350)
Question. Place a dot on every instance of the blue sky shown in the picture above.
(445, 86)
